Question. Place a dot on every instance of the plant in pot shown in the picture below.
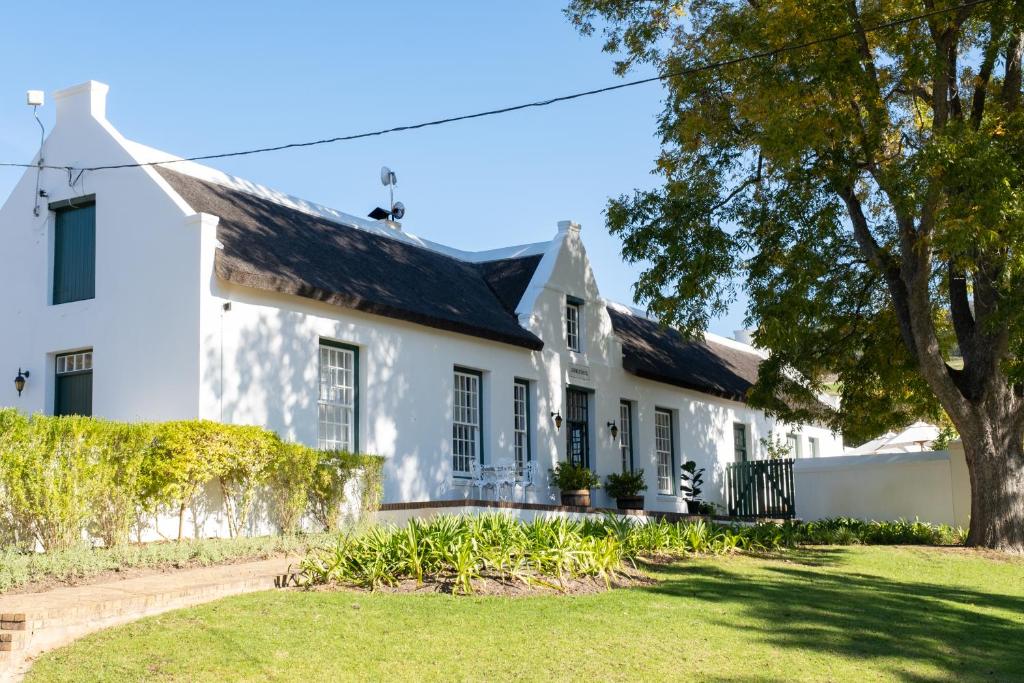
(691, 481)
(574, 482)
(626, 488)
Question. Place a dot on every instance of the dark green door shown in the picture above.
(73, 395)
(578, 432)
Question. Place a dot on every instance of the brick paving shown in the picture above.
(32, 623)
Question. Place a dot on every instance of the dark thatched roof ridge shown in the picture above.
(275, 248)
(664, 355)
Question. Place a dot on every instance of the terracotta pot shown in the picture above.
(630, 503)
(579, 498)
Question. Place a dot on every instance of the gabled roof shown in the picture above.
(273, 247)
(664, 355)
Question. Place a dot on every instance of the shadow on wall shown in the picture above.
(860, 615)
(270, 374)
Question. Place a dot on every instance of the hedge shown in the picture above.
(63, 479)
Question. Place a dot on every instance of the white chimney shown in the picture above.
(568, 226)
(87, 99)
(744, 336)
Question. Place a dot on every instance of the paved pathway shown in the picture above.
(32, 623)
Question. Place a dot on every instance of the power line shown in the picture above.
(539, 103)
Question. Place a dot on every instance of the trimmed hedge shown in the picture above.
(63, 478)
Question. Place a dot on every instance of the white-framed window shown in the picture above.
(793, 442)
(466, 421)
(573, 328)
(814, 446)
(339, 397)
(741, 450)
(663, 450)
(626, 435)
(521, 421)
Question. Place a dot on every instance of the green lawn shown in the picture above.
(858, 613)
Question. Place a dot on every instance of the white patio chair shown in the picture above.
(480, 479)
(528, 476)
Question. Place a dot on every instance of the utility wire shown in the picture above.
(540, 103)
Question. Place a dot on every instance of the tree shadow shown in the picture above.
(965, 632)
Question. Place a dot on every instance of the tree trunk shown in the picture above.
(181, 522)
(995, 460)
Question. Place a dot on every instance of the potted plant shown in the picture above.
(690, 483)
(624, 487)
(575, 482)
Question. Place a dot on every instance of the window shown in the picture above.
(74, 254)
(466, 418)
(73, 386)
(521, 422)
(739, 441)
(572, 323)
(577, 431)
(626, 435)
(793, 441)
(814, 446)
(339, 397)
(663, 449)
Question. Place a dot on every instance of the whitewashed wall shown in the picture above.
(164, 348)
(933, 486)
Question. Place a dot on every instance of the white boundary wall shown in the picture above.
(932, 486)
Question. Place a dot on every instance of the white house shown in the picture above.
(173, 291)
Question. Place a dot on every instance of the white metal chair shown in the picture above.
(479, 479)
(527, 476)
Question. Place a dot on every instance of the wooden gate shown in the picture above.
(761, 488)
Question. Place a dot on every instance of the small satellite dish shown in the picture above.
(387, 176)
(398, 211)
(34, 98)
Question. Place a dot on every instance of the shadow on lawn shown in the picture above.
(863, 616)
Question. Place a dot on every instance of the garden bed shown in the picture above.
(37, 572)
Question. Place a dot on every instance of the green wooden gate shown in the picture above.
(761, 488)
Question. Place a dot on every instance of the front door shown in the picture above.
(578, 432)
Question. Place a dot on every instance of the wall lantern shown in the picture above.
(19, 381)
(558, 419)
(614, 429)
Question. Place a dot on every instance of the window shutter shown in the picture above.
(74, 255)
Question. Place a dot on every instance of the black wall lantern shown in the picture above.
(19, 381)
(614, 429)
(558, 420)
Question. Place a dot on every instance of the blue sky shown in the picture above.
(197, 78)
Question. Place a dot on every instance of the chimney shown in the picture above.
(87, 99)
(744, 336)
(568, 226)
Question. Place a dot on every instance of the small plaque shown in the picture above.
(579, 373)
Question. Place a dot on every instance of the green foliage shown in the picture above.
(461, 549)
(290, 480)
(571, 477)
(691, 480)
(48, 467)
(334, 470)
(65, 478)
(867, 194)
(625, 484)
(775, 448)
(122, 477)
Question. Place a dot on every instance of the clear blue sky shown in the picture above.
(205, 77)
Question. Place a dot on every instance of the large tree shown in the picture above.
(864, 190)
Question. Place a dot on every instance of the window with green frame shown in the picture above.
(338, 400)
(74, 252)
(467, 421)
(521, 421)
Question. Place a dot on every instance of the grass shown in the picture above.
(77, 564)
(862, 613)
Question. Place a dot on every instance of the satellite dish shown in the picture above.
(387, 176)
(398, 211)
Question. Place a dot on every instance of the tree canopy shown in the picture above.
(864, 190)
